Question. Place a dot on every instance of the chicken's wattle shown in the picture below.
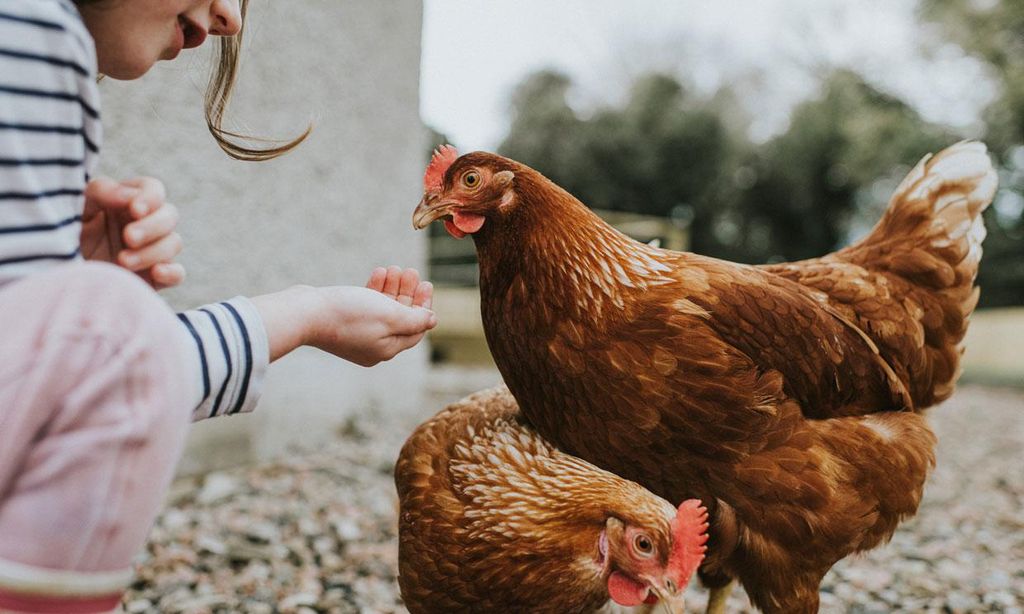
(463, 224)
(626, 591)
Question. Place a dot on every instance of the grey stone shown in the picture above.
(934, 564)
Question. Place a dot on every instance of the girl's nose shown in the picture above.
(225, 18)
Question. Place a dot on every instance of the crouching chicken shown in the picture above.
(494, 519)
(786, 398)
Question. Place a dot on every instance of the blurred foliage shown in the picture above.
(824, 181)
(831, 173)
(668, 152)
(663, 153)
(993, 30)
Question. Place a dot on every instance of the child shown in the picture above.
(98, 378)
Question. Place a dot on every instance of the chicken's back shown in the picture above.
(429, 517)
(909, 285)
(479, 495)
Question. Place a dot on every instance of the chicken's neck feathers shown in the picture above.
(560, 253)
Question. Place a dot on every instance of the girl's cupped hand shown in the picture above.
(129, 223)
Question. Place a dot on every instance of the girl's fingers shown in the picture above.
(151, 196)
(377, 278)
(162, 250)
(167, 274)
(403, 285)
(404, 342)
(424, 296)
(412, 321)
(148, 185)
(394, 279)
(104, 193)
(407, 286)
(151, 228)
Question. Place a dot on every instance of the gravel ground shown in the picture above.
(316, 532)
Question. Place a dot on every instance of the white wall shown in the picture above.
(325, 214)
(994, 343)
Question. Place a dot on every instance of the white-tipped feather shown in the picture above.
(960, 182)
(978, 232)
(985, 190)
(912, 177)
(966, 162)
(958, 163)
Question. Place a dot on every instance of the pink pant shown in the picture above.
(93, 414)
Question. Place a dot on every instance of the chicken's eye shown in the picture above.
(643, 545)
(471, 179)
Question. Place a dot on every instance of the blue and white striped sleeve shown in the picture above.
(50, 133)
(232, 356)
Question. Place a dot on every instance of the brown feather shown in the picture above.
(492, 518)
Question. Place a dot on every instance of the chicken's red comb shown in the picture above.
(689, 536)
(439, 163)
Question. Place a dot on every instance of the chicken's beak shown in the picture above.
(670, 598)
(429, 210)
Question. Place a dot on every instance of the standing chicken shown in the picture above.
(786, 397)
(494, 519)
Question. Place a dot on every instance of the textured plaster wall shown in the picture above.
(325, 214)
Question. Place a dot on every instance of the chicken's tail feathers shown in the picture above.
(928, 246)
(956, 185)
(933, 228)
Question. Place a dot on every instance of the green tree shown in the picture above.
(804, 193)
(546, 133)
(809, 189)
(994, 32)
(663, 153)
(668, 152)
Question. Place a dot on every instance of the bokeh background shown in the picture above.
(768, 131)
(752, 131)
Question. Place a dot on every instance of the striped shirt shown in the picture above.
(50, 138)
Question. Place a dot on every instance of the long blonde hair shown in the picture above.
(218, 95)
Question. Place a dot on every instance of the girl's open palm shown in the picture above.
(403, 285)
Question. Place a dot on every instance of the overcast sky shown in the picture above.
(476, 51)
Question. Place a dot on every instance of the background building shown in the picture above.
(325, 214)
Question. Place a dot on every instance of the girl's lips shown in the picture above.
(195, 34)
(187, 35)
(178, 43)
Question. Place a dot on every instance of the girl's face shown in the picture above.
(132, 35)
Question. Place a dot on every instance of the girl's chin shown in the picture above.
(130, 63)
(127, 75)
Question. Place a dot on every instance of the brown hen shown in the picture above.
(785, 397)
(494, 519)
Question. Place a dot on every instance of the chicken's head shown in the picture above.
(648, 567)
(463, 191)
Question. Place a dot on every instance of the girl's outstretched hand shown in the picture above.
(403, 285)
(362, 325)
(130, 224)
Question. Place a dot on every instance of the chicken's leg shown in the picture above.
(719, 595)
